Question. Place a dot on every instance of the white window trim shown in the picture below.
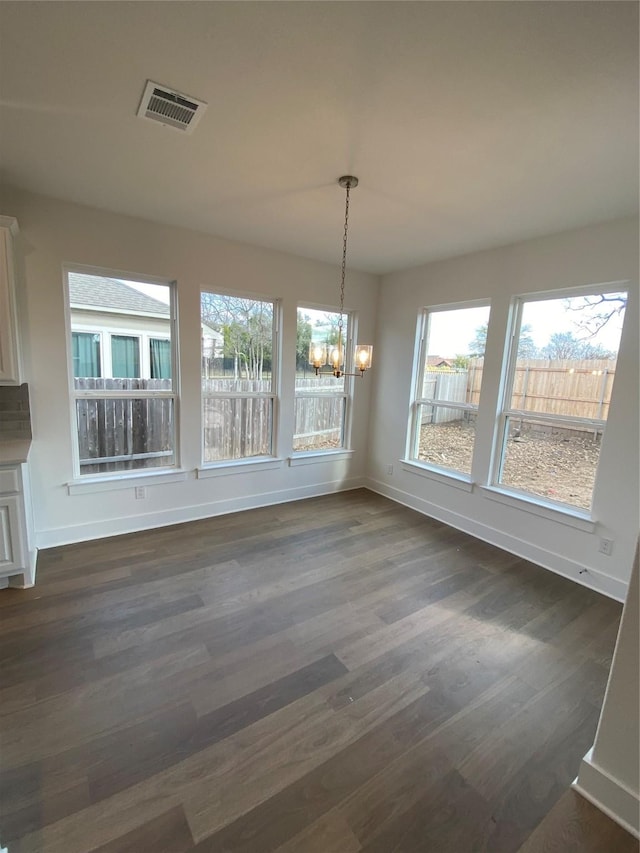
(247, 465)
(411, 462)
(210, 469)
(501, 492)
(79, 480)
(118, 481)
(312, 457)
(536, 505)
(447, 476)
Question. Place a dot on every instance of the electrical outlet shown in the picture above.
(606, 547)
(141, 493)
(389, 469)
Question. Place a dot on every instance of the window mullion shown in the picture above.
(452, 404)
(138, 394)
(238, 395)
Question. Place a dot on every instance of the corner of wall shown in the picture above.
(608, 794)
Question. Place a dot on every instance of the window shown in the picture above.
(448, 381)
(125, 357)
(320, 401)
(239, 352)
(160, 358)
(123, 404)
(562, 367)
(86, 354)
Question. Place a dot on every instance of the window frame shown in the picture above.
(421, 353)
(506, 411)
(147, 341)
(79, 479)
(346, 392)
(96, 333)
(273, 395)
(138, 337)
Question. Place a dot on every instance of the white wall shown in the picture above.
(54, 233)
(597, 254)
(610, 772)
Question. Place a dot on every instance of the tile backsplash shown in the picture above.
(15, 416)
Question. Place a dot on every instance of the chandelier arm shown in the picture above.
(337, 373)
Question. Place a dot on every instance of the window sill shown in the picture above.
(440, 475)
(310, 457)
(125, 480)
(238, 466)
(538, 506)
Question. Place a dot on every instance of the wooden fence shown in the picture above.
(450, 385)
(319, 413)
(128, 432)
(238, 427)
(124, 433)
(570, 388)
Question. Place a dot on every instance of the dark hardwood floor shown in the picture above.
(574, 825)
(329, 676)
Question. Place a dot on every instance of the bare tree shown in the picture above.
(565, 345)
(526, 345)
(597, 311)
(246, 325)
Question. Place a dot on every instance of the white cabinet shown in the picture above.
(11, 538)
(17, 559)
(9, 345)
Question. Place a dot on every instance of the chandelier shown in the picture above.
(320, 353)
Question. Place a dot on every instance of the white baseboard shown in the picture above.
(605, 584)
(608, 794)
(558, 563)
(130, 524)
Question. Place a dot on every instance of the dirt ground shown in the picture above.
(556, 466)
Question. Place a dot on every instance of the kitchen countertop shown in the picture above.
(13, 451)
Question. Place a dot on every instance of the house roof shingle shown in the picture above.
(97, 291)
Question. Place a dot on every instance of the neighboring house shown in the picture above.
(438, 361)
(119, 332)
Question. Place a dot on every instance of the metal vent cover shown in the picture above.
(171, 108)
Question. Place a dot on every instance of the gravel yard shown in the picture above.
(560, 467)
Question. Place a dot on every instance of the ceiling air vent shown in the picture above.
(170, 107)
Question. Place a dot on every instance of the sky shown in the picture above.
(451, 332)
(161, 292)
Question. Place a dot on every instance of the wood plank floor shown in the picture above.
(574, 825)
(338, 675)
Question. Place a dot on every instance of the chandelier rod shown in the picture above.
(318, 353)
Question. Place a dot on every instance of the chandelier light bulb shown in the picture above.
(336, 356)
(317, 354)
(363, 357)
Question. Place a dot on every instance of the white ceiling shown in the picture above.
(469, 125)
